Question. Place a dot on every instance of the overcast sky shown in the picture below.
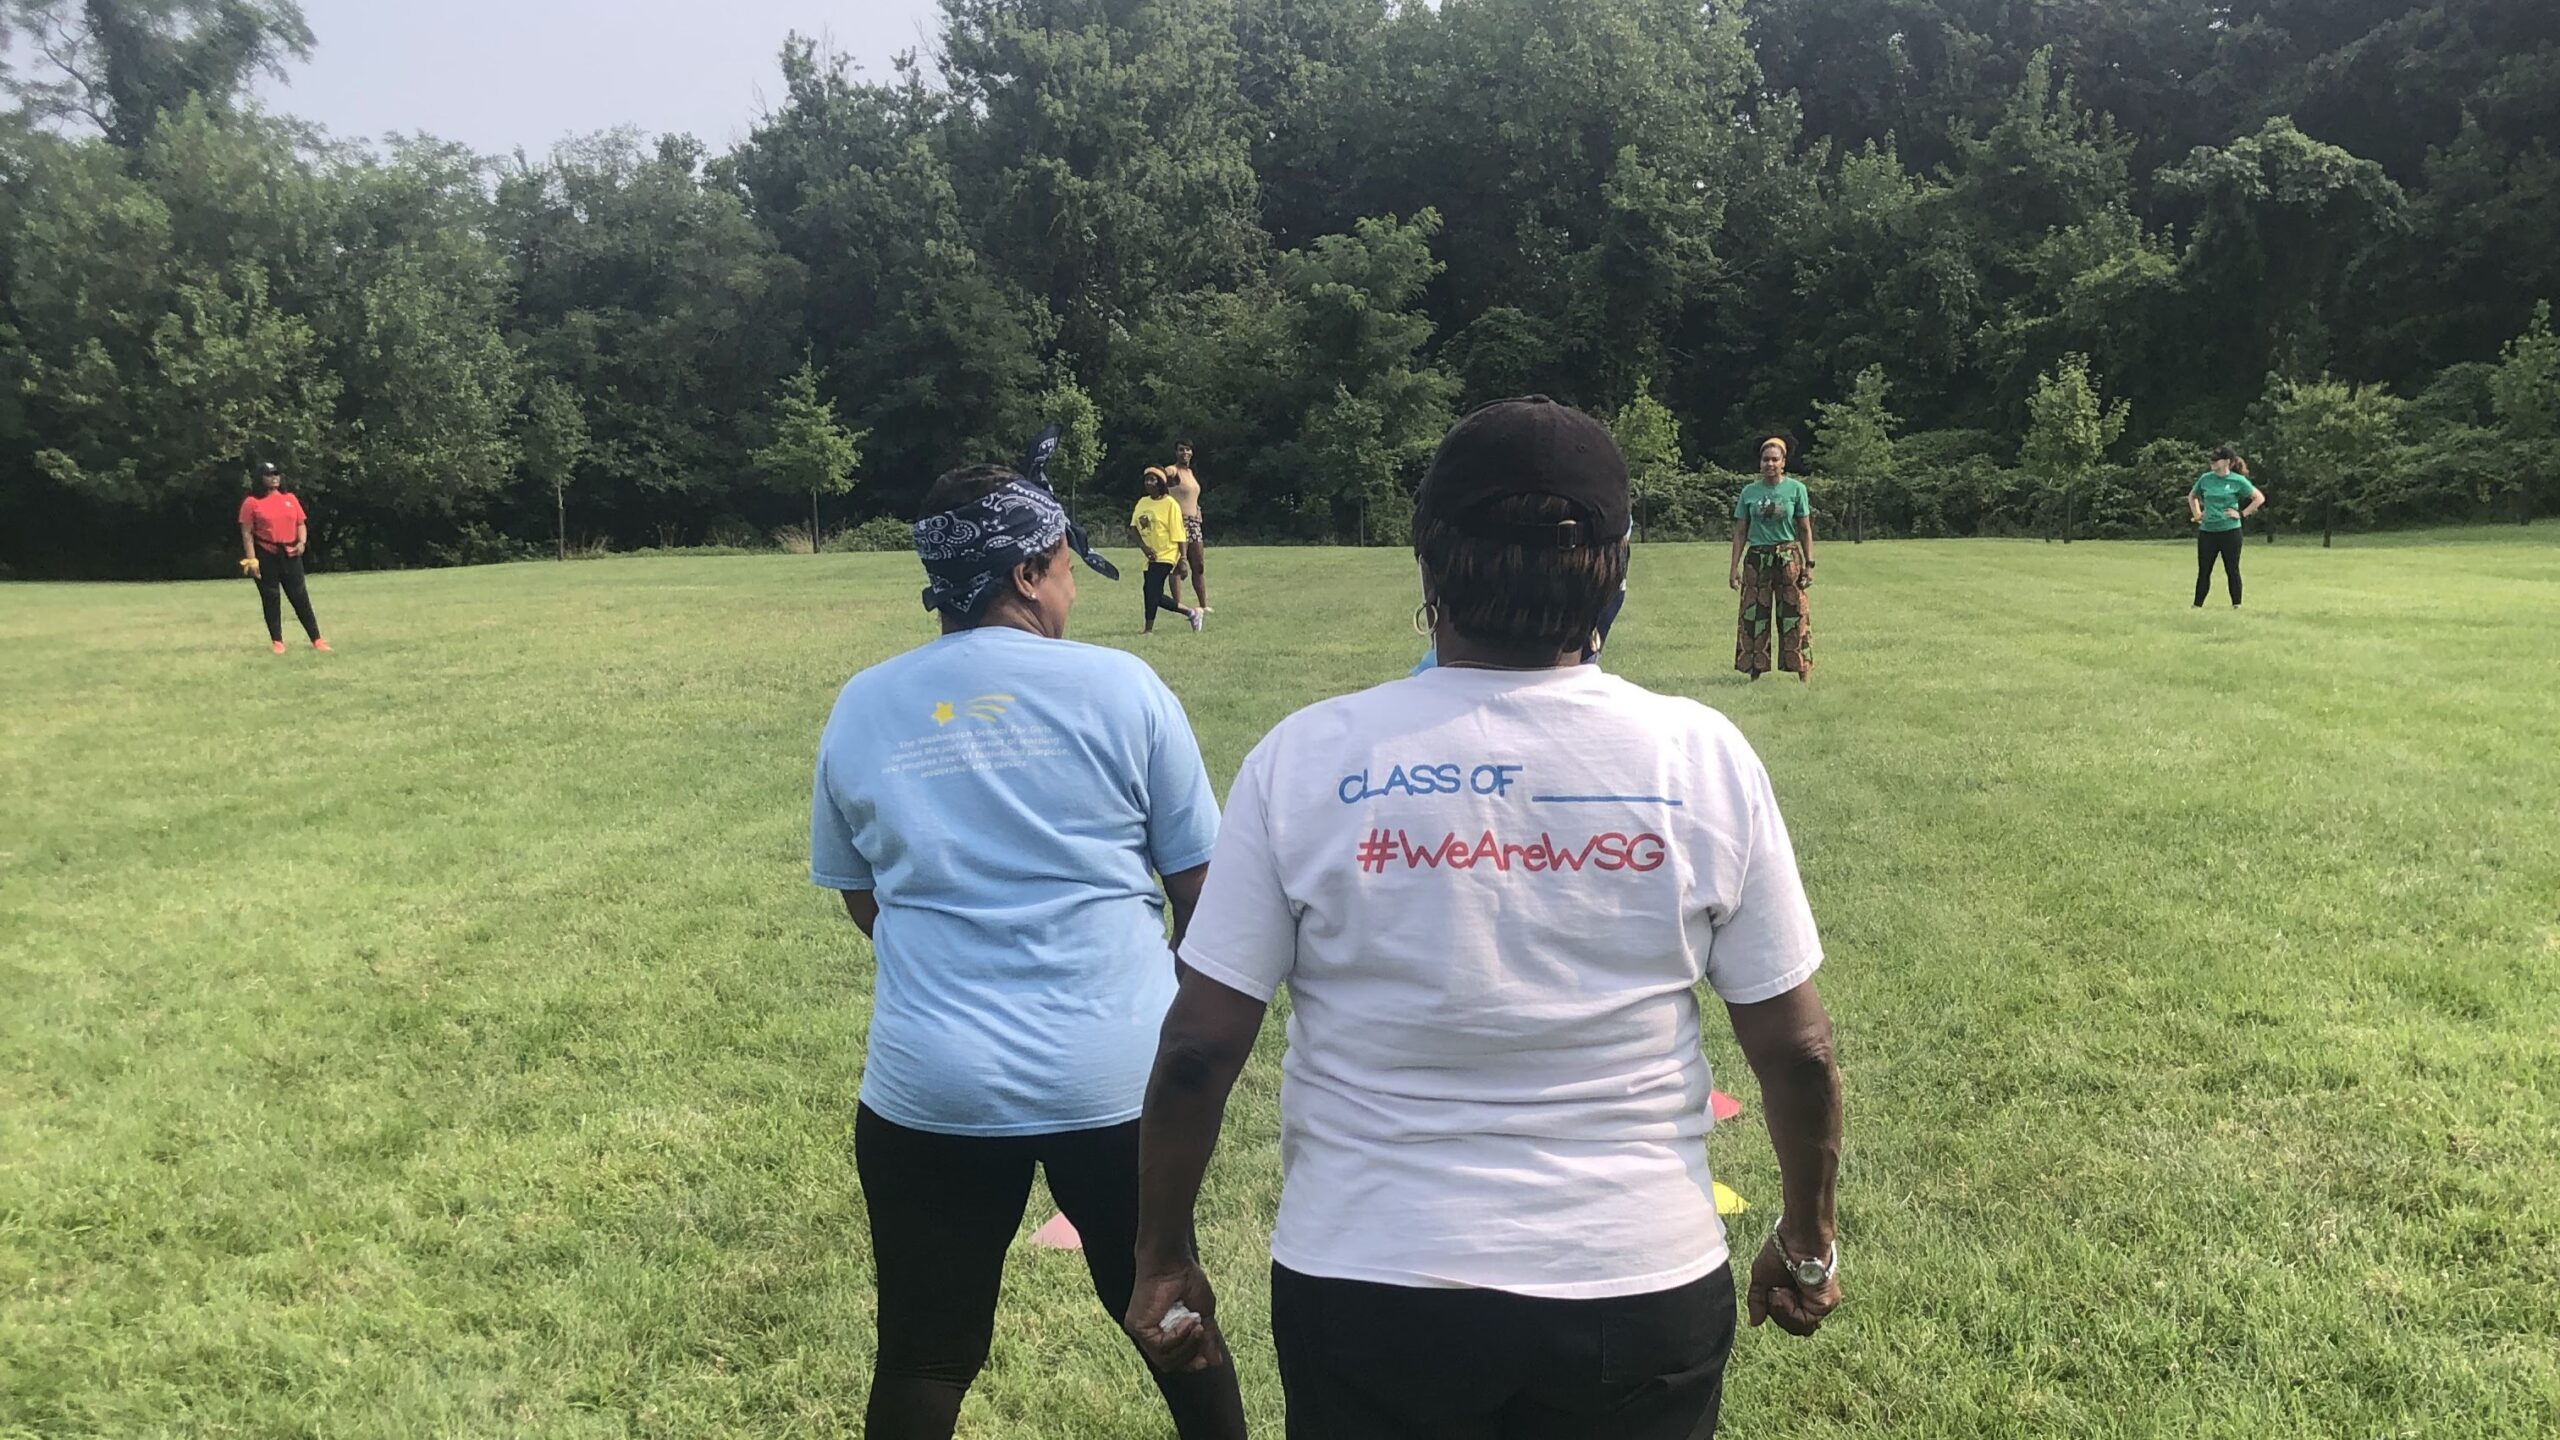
(497, 74)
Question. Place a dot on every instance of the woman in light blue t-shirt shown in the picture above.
(998, 808)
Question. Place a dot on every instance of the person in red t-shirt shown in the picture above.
(273, 534)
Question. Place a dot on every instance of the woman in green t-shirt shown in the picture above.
(2220, 499)
(1772, 565)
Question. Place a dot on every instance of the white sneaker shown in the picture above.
(1198, 617)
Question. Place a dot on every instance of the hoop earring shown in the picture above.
(1426, 619)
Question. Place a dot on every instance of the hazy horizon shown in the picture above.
(530, 73)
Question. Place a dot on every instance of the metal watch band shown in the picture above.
(1795, 1268)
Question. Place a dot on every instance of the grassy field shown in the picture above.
(440, 1037)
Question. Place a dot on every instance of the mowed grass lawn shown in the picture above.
(441, 1037)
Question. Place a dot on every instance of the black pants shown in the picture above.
(279, 571)
(1388, 1362)
(1157, 576)
(2210, 544)
(943, 1210)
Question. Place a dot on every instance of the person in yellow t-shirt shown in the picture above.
(1156, 526)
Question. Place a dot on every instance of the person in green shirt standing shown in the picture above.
(1772, 565)
(2220, 499)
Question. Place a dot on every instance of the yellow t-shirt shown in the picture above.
(1159, 524)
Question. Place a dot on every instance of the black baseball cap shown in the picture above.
(1529, 445)
(268, 467)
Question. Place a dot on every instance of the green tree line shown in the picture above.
(1993, 269)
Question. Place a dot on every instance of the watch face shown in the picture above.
(1811, 1273)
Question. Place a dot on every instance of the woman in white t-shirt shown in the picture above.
(1492, 889)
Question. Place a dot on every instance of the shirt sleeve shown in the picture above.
(1741, 506)
(1245, 935)
(833, 861)
(1182, 807)
(1766, 945)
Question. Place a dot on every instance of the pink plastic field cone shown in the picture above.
(1057, 1235)
(1724, 1107)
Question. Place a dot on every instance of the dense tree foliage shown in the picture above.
(2075, 243)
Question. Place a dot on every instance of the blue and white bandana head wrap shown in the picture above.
(969, 551)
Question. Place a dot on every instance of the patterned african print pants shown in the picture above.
(1773, 603)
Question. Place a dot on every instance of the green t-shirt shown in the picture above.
(2220, 493)
(1773, 510)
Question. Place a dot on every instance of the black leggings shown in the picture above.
(943, 1210)
(279, 571)
(1157, 576)
(2222, 543)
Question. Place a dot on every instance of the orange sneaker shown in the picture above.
(320, 645)
(279, 647)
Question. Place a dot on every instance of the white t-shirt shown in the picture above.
(1491, 894)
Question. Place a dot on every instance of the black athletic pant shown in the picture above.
(1389, 1362)
(943, 1210)
(1157, 576)
(279, 571)
(2224, 544)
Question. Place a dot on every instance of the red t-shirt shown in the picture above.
(273, 519)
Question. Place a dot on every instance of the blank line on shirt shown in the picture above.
(1604, 800)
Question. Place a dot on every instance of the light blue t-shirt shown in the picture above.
(1010, 800)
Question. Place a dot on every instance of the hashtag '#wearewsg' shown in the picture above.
(1376, 851)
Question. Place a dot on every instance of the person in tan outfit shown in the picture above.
(1184, 486)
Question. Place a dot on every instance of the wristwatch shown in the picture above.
(1807, 1274)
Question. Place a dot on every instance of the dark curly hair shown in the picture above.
(1515, 596)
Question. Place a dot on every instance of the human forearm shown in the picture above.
(1801, 1100)
(1804, 538)
(1182, 895)
(1207, 1037)
(248, 544)
(864, 907)
(1740, 530)
(1788, 1044)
